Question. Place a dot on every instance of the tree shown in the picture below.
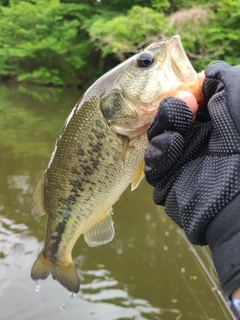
(125, 34)
(73, 42)
(209, 31)
(38, 44)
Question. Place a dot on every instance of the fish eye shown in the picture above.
(145, 59)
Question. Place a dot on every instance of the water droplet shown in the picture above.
(63, 306)
(72, 294)
(119, 251)
(167, 233)
(165, 248)
(183, 270)
(148, 216)
(38, 287)
(215, 289)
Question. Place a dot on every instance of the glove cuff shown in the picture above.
(223, 237)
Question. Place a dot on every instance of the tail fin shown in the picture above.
(41, 268)
(67, 276)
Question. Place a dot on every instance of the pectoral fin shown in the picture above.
(38, 207)
(102, 232)
(125, 150)
(138, 176)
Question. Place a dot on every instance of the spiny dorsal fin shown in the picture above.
(102, 232)
(38, 207)
(138, 176)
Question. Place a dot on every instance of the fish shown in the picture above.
(100, 152)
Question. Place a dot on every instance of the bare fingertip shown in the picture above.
(189, 99)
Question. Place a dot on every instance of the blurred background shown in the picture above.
(50, 52)
(71, 43)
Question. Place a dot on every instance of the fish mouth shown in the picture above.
(179, 61)
(131, 133)
(176, 50)
(183, 69)
(178, 58)
(148, 111)
(179, 73)
(148, 108)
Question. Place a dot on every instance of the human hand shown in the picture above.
(194, 168)
(189, 98)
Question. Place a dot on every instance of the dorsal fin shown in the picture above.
(138, 176)
(38, 207)
(102, 232)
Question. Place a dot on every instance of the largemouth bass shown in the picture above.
(100, 151)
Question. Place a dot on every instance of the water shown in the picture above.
(148, 271)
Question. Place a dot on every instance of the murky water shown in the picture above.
(148, 271)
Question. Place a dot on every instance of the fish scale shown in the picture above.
(100, 151)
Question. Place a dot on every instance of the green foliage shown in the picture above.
(161, 5)
(214, 33)
(43, 76)
(72, 42)
(130, 32)
(4, 2)
(209, 31)
(38, 44)
(225, 30)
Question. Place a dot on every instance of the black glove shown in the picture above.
(195, 168)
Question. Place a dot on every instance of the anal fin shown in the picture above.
(37, 206)
(138, 176)
(102, 232)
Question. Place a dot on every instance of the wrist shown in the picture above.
(236, 294)
(223, 237)
(234, 306)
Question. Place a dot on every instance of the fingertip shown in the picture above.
(189, 99)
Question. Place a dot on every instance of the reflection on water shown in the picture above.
(148, 271)
(101, 297)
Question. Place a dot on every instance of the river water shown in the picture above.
(149, 270)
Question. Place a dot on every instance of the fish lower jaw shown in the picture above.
(146, 117)
(132, 133)
(148, 107)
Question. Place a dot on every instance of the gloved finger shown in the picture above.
(203, 115)
(221, 88)
(216, 69)
(163, 152)
(213, 82)
(174, 115)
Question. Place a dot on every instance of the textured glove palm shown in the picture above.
(195, 168)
